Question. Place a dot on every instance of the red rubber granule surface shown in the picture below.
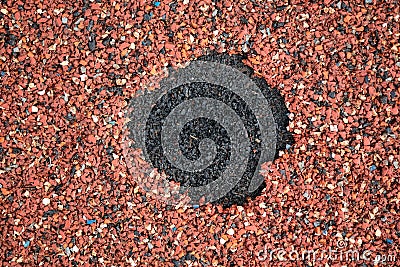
(67, 68)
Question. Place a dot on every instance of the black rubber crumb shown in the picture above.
(203, 128)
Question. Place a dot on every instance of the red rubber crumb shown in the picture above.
(66, 69)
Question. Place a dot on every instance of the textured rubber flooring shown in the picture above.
(68, 70)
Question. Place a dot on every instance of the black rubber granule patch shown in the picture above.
(208, 128)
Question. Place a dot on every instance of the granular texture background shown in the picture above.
(68, 68)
